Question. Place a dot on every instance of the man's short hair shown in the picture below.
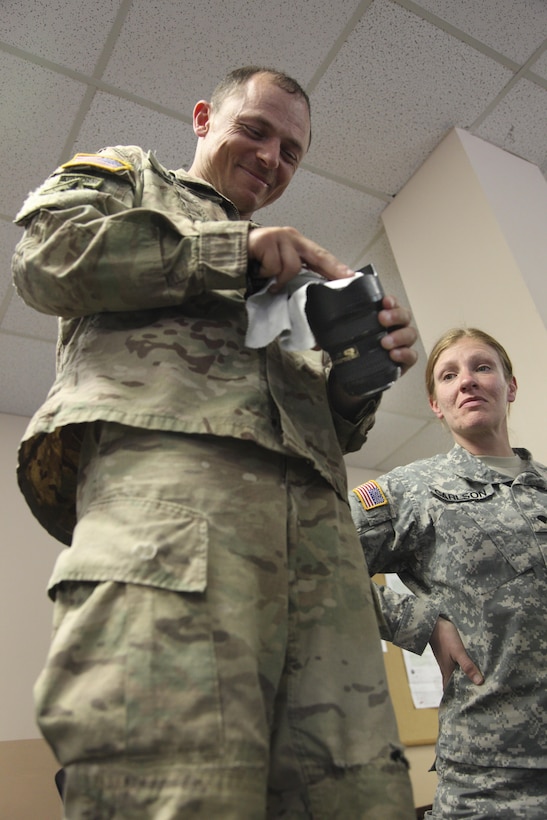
(241, 76)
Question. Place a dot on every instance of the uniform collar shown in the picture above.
(473, 469)
(202, 188)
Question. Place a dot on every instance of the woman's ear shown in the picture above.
(512, 390)
(433, 403)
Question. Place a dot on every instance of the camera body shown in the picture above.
(345, 323)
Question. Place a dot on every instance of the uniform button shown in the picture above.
(145, 551)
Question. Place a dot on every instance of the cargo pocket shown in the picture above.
(132, 667)
(137, 540)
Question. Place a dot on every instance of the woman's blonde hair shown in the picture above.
(450, 338)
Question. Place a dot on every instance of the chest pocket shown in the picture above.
(483, 540)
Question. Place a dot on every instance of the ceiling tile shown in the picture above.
(57, 29)
(429, 440)
(540, 66)
(358, 475)
(386, 87)
(335, 216)
(519, 123)
(21, 396)
(513, 29)
(174, 53)
(396, 87)
(390, 432)
(24, 321)
(38, 107)
(114, 121)
(9, 236)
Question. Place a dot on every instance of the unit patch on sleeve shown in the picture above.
(111, 164)
(370, 495)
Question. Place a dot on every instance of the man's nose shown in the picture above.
(269, 152)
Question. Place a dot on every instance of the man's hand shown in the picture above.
(398, 341)
(281, 253)
(450, 652)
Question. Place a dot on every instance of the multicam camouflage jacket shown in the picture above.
(146, 269)
(471, 544)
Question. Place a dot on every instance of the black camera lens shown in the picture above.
(345, 323)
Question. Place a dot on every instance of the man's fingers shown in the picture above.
(283, 252)
(401, 337)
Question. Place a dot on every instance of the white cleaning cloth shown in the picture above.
(283, 315)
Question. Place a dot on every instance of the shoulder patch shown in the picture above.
(111, 164)
(69, 182)
(370, 495)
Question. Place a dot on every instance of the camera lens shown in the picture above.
(345, 323)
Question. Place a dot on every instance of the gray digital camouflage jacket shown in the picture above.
(471, 544)
(146, 269)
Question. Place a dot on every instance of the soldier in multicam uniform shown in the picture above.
(467, 533)
(215, 651)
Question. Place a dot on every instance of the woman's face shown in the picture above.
(471, 389)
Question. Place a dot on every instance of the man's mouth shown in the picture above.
(259, 178)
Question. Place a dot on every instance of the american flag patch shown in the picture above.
(98, 161)
(370, 495)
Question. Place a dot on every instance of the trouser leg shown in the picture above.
(486, 792)
(334, 750)
(169, 691)
(160, 701)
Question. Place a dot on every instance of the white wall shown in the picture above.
(466, 235)
(27, 554)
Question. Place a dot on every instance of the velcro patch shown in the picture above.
(115, 166)
(370, 495)
(70, 182)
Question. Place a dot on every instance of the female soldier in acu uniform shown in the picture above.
(467, 532)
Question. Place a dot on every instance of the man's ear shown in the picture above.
(202, 118)
(436, 409)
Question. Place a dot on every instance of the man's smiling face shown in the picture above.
(250, 147)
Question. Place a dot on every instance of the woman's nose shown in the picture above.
(467, 379)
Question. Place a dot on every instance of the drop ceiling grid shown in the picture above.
(388, 79)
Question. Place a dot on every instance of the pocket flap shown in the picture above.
(138, 540)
